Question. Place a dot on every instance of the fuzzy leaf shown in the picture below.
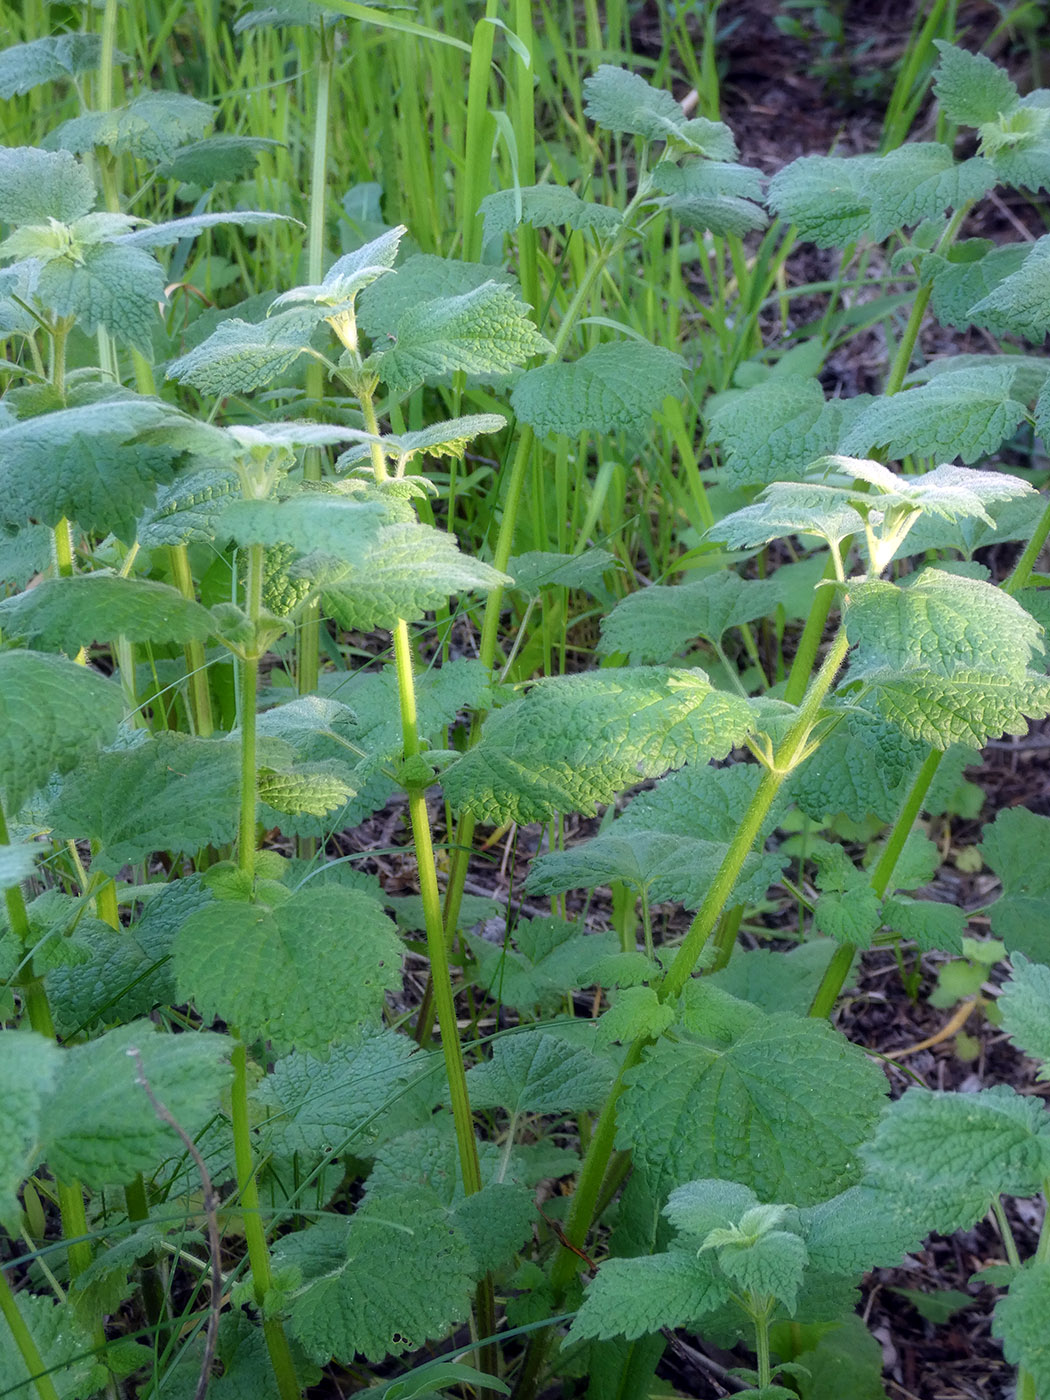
(538, 569)
(52, 714)
(330, 525)
(630, 1297)
(188, 508)
(172, 792)
(419, 1271)
(772, 1264)
(776, 981)
(28, 1066)
(239, 356)
(622, 101)
(549, 958)
(790, 508)
(782, 1109)
(921, 180)
(84, 464)
(772, 432)
(970, 88)
(348, 275)
(16, 864)
(65, 1347)
(304, 975)
(967, 414)
(933, 926)
(171, 231)
(948, 491)
(123, 978)
(862, 768)
(1020, 1322)
(1020, 303)
(938, 622)
(658, 623)
(110, 286)
(534, 1072)
(573, 742)
(66, 614)
(859, 1230)
(26, 66)
(345, 1103)
(407, 571)
(1017, 847)
(708, 179)
(952, 1153)
(969, 707)
(152, 126)
(99, 1128)
(422, 278)
(960, 282)
(849, 916)
(36, 186)
(545, 206)
(317, 788)
(635, 1011)
(485, 333)
(615, 387)
(825, 197)
(447, 439)
(1024, 1005)
(222, 157)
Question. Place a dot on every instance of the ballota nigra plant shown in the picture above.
(226, 1157)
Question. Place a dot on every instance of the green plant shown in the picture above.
(151, 890)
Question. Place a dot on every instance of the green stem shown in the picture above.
(25, 1342)
(248, 701)
(477, 155)
(254, 1234)
(74, 1226)
(196, 659)
(1023, 568)
(760, 1317)
(838, 969)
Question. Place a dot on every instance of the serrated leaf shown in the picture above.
(535, 1072)
(849, 916)
(28, 1065)
(579, 740)
(496, 1221)
(1019, 1321)
(921, 180)
(776, 981)
(862, 768)
(406, 572)
(421, 278)
(120, 980)
(967, 415)
(545, 206)
(790, 508)
(52, 714)
(16, 864)
(330, 525)
(1020, 302)
(950, 1154)
(635, 1011)
(222, 157)
(615, 387)
(1018, 144)
(172, 792)
(970, 88)
(85, 464)
(1024, 1005)
(538, 569)
(630, 1297)
(622, 101)
(700, 801)
(66, 614)
(969, 707)
(1017, 847)
(782, 1110)
(666, 867)
(948, 491)
(933, 926)
(962, 282)
(707, 179)
(188, 509)
(25, 66)
(152, 126)
(349, 1101)
(860, 1229)
(658, 623)
(549, 958)
(419, 1272)
(721, 215)
(772, 1264)
(97, 1125)
(348, 275)
(772, 432)
(240, 356)
(65, 1347)
(304, 975)
(36, 186)
(447, 439)
(171, 231)
(484, 333)
(108, 285)
(938, 622)
(317, 788)
(825, 197)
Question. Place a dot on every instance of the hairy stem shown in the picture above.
(254, 1234)
(201, 713)
(248, 700)
(25, 1342)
